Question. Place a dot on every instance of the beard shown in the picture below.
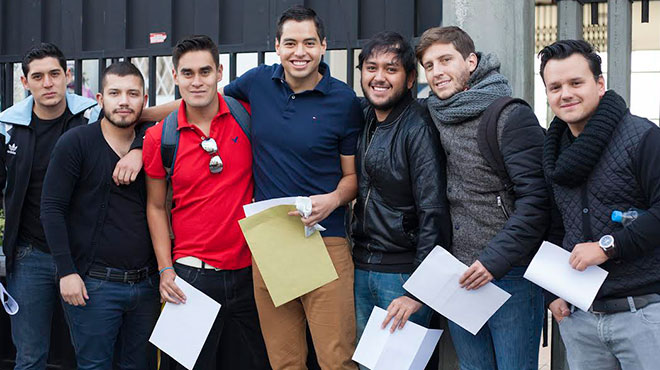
(388, 104)
(122, 122)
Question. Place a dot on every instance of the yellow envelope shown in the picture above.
(290, 264)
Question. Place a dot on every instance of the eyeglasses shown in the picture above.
(211, 147)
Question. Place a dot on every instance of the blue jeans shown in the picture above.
(235, 340)
(34, 285)
(622, 340)
(510, 339)
(115, 324)
(380, 289)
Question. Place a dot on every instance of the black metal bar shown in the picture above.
(152, 81)
(101, 69)
(594, 13)
(8, 93)
(127, 59)
(232, 66)
(78, 78)
(115, 60)
(261, 57)
(645, 11)
(349, 67)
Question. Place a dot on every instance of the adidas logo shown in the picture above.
(11, 149)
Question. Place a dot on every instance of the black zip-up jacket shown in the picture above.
(401, 211)
(16, 154)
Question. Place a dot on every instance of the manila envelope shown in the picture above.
(290, 264)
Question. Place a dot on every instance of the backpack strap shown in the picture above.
(240, 114)
(487, 138)
(169, 142)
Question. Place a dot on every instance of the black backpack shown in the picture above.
(170, 143)
(487, 139)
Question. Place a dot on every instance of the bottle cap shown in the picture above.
(617, 216)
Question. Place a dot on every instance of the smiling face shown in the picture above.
(46, 81)
(122, 100)
(197, 77)
(384, 81)
(573, 92)
(300, 51)
(447, 72)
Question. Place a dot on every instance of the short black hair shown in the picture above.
(195, 43)
(41, 51)
(121, 69)
(300, 13)
(389, 42)
(565, 48)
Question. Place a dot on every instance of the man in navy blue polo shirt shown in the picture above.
(305, 126)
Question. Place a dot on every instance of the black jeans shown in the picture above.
(235, 339)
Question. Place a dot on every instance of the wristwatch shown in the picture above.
(606, 243)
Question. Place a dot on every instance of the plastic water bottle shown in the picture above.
(627, 217)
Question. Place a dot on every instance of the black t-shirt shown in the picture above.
(124, 240)
(46, 133)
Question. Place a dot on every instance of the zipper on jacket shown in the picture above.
(501, 205)
(366, 199)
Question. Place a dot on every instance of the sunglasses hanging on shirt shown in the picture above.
(211, 147)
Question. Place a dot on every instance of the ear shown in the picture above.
(601, 86)
(174, 77)
(411, 79)
(324, 45)
(99, 99)
(146, 100)
(472, 61)
(68, 76)
(277, 46)
(219, 77)
(24, 82)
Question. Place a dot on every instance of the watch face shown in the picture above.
(606, 241)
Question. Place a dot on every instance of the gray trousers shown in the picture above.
(620, 341)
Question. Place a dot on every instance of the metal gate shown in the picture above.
(105, 31)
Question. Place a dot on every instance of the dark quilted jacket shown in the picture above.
(614, 184)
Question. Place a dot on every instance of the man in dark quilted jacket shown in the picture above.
(600, 158)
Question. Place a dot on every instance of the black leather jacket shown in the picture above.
(401, 211)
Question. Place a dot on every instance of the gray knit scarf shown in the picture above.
(485, 85)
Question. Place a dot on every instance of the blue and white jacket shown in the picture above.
(16, 155)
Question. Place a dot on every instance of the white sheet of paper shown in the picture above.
(256, 207)
(182, 329)
(435, 282)
(407, 348)
(8, 302)
(551, 271)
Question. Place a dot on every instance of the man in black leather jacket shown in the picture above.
(401, 211)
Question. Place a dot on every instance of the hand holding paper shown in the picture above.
(435, 282)
(182, 329)
(408, 348)
(550, 269)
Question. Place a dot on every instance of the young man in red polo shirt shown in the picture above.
(211, 181)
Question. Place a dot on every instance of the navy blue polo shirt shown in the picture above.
(297, 138)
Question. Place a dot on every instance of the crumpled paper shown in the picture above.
(8, 302)
(304, 206)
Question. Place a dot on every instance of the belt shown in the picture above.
(195, 262)
(623, 304)
(121, 276)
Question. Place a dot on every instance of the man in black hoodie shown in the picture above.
(600, 158)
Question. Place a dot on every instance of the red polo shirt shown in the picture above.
(207, 205)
